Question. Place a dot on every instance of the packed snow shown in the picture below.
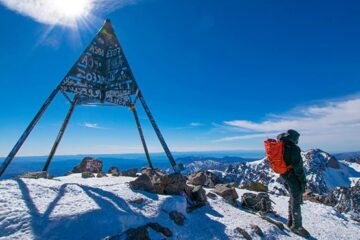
(75, 208)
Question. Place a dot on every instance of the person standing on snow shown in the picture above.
(295, 180)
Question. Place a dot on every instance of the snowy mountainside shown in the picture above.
(353, 157)
(323, 173)
(75, 208)
(194, 163)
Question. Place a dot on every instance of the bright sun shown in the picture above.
(71, 10)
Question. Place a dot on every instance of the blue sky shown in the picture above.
(217, 75)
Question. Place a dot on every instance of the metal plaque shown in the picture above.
(102, 73)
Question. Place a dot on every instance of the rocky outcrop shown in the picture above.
(156, 181)
(129, 173)
(320, 168)
(255, 175)
(114, 171)
(88, 164)
(316, 163)
(344, 199)
(195, 197)
(257, 187)
(227, 192)
(204, 178)
(256, 202)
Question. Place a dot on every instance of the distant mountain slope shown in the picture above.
(323, 172)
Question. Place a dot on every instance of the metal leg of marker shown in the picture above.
(28, 130)
(177, 167)
(61, 133)
(132, 107)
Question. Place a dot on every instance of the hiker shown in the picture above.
(295, 180)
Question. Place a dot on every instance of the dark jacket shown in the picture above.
(292, 157)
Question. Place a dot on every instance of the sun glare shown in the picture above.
(71, 10)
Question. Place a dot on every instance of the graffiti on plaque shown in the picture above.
(102, 73)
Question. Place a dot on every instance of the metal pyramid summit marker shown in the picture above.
(102, 73)
(101, 76)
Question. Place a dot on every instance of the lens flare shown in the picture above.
(70, 11)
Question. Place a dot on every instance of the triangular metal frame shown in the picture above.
(101, 76)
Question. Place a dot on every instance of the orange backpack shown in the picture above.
(275, 154)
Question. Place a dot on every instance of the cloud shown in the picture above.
(243, 137)
(191, 125)
(92, 125)
(196, 124)
(341, 114)
(333, 122)
(62, 12)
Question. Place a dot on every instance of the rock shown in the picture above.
(256, 202)
(101, 174)
(257, 230)
(204, 178)
(36, 175)
(114, 171)
(228, 193)
(175, 184)
(137, 200)
(232, 184)
(257, 187)
(139, 233)
(158, 228)
(347, 199)
(158, 182)
(195, 197)
(243, 232)
(327, 200)
(87, 175)
(197, 178)
(177, 217)
(211, 195)
(88, 164)
(143, 182)
(129, 173)
(198, 194)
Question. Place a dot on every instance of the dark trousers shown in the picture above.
(293, 186)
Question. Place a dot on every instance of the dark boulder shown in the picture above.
(177, 217)
(257, 187)
(139, 233)
(160, 229)
(101, 174)
(204, 178)
(227, 192)
(257, 202)
(158, 182)
(88, 164)
(129, 173)
(195, 197)
(114, 171)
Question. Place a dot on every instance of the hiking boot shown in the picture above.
(301, 231)
(289, 222)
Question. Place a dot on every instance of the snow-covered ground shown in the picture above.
(74, 208)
